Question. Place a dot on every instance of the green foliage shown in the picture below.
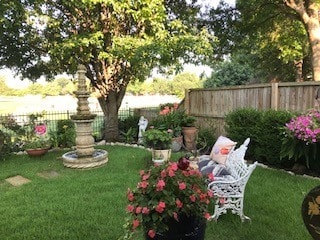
(231, 73)
(184, 81)
(270, 136)
(265, 129)
(6, 145)
(206, 138)
(128, 128)
(243, 123)
(157, 139)
(65, 134)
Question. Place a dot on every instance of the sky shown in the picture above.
(15, 82)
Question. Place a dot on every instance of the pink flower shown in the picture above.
(130, 196)
(207, 215)
(135, 223)
(163, 173)
(160, 185)
(175, 216)
(182, 186)
(151, 233)
(210, 177)
(160, 207)
(192, 198)
(171, 173)
(41, 129)
(145, 210)
(138, 210)
(145, 177)
(179, 203)
(130, 208)
(143, 184)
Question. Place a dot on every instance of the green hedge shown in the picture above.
(265, 129)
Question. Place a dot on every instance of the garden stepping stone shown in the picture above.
(17, 180)
(48, 174)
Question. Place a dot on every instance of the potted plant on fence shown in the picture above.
(170, 202)
(160, 142)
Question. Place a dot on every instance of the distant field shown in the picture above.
(9, 105)
(31, 103)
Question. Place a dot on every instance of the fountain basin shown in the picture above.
(72, 160)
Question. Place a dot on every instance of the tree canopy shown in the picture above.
(117, 41)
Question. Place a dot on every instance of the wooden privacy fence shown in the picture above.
(211, 105)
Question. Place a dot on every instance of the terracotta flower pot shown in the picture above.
(189, 137)
(37, 152)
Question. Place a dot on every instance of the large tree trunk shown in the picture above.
(110, 107)
(314, 36)
(308, 12)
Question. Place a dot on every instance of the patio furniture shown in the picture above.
(229, 189)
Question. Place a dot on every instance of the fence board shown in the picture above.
(211, 105)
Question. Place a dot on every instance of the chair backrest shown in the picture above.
(235, 163)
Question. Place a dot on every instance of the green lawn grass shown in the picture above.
(90, 204)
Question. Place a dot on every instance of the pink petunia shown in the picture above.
(182, 186)
(130, 208)
(145, 210)
(151, 233)
(135, 223)
(143, 184)
(192, 198)
(179, 203)
(160, 185)
(138, 210)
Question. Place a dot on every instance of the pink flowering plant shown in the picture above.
(301, 138)
(39, 138)
(166, 192)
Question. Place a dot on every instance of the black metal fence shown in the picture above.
(51, 118)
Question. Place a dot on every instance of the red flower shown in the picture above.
(175, 216)
(145, 177)
(143, 184)
(145, 210)
(182, 186)
(138, 210)
(160, 207)
(130, 208)
(41, 129)
(179, 203)
(130, 196)
(207, 215)
(151, 233)
(135, 223)
(192, 198)
(210, 177)
(171, 173)
(160, 185)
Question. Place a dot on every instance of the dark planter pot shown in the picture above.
(37, 152)
(188, 228)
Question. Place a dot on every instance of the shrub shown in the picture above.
(66, 133)
(243, 123)
(5, 144)
(265, 131)
(128, 128)
(270, 137)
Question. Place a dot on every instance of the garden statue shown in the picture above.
(143, 123)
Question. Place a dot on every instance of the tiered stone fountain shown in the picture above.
(85, 156)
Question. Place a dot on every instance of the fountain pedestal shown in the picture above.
(85, 156)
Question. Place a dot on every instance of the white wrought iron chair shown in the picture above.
(229, 192)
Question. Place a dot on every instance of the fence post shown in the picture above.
(187, 101)
(274, 96)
